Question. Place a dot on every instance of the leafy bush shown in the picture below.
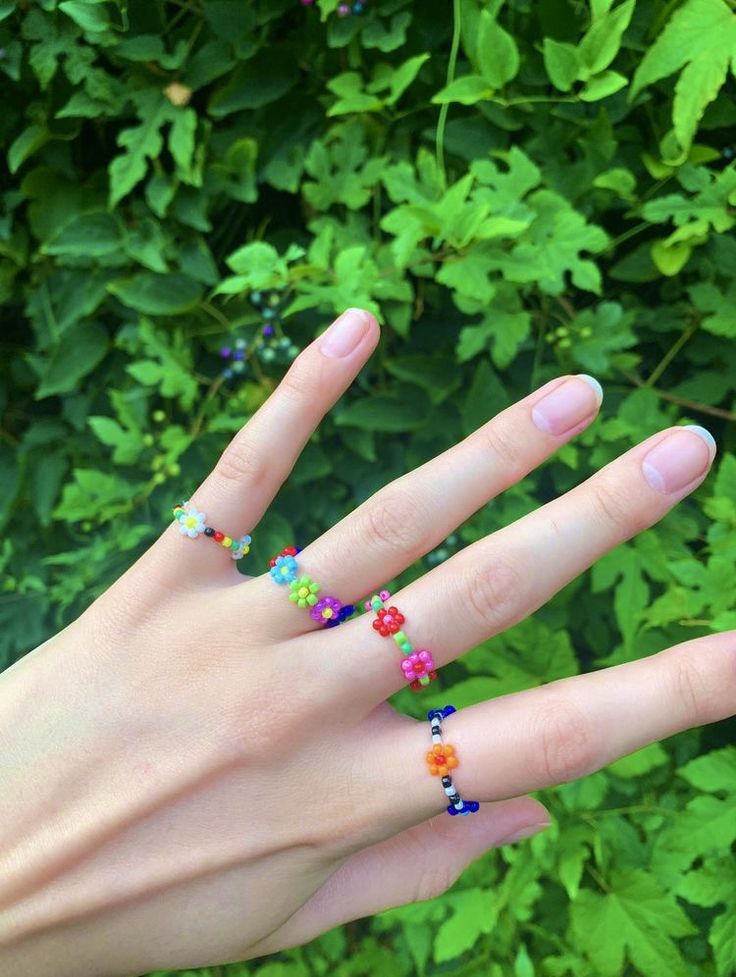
(516, 191)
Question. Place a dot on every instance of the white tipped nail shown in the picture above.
(705, 435)
(597, 388)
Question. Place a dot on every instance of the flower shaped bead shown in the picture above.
(304, 591)
(417, 665)
(284, 569)
(191, 522)
(441, 759)
(388, 621)
(286, 551)
(326, 609)
(240, 547)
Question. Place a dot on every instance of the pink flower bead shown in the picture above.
(417, 665)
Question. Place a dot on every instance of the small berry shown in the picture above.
(159, 416)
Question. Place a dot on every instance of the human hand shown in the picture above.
(200, 773)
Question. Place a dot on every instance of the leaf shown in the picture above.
(496, 52)
(639, 763)
(602, 85)
(83, 346)
(404, 75)
(561, 62)
(634, 922)
(701, 39)
(474, 914)
(670, 260)
(382, 413)
(89, 15)
(467, 90)
(89, 235)
(25, 145)
(603, 39)
(154, 294)
(485, 398)
(256, 82)
(712, 772)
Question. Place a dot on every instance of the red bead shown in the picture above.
(378, 626)
(218, 537)
(289, 551)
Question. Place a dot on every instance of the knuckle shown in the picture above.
(240, 461)
(693, 691)
(394, 521)
(616, 507)
(500, 439)
(496, 593)
(433, 879)
(568, 751)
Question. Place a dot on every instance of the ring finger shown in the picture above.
(496, 582)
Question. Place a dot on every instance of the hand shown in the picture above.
(200, 773)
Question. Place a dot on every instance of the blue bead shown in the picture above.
(358, 7)
(448, 711)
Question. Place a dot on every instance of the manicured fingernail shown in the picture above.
(679, 459)
(526, 832)
(345, 333)
(568, 404)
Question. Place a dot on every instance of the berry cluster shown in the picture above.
(268, 343)
(343, 9)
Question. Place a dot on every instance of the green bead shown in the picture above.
(376, 603)
(407, 647)
(400, 638)
(424, 680)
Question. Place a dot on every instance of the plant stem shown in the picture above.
(659, 369)
(442, 120)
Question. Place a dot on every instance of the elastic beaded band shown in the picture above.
(418, 665)
(442, 759)
(192, 524)
(329, 611)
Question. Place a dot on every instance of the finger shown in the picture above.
(410, 516)
(571, 727)
(419, 863)
(252, 468)
(500, 580)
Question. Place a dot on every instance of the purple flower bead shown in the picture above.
(325, 610)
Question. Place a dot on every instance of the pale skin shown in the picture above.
(194, 772)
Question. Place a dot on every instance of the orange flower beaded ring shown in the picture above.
(442, 759)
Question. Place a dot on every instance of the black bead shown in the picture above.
(455, 799)
(209, 531)
(446, 782)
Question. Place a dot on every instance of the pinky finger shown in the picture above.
(419, 863)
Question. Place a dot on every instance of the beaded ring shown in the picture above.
(328, 611)
(418, 665)
(192, 524)
(442, 759)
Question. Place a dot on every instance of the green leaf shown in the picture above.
(154, 294)
(90, 16)
(382, 413)
(127, 444)
(474, 914)
(83, 346)
(25, 145)
(496, 53)
(712, 772)
(467, 90)
(562, 63)
(602, 85)
(635, 921)
(257, 82)
(603, 39)
(701, 39)
(89, 235)
(639, 763)
(670, 260)
(404, 75)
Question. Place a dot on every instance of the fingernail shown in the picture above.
(526, 832)
(568, 404)
(679, 459)
(345, 333)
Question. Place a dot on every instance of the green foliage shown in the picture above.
(517, 191)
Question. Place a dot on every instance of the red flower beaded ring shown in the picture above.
(418, 665)
(192, 524)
